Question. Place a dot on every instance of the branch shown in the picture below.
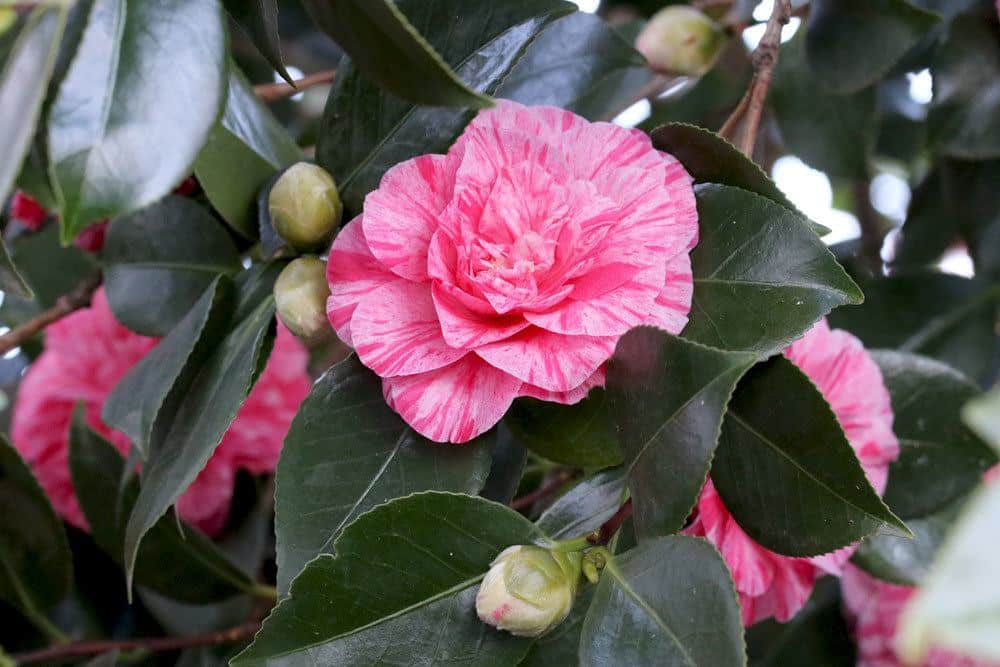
(872, 227)
(66, 304)
(607, 530)
(84, 648)
(741, 127)
(546, 489)
(272, 92)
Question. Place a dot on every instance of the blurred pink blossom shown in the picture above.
(86, 354)
(511, 266)
(770, 584)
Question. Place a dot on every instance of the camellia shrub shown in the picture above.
(374, 332)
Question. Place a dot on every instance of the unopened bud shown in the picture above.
(305, 206)
(300, 294)
(529, 590)
(681, 40)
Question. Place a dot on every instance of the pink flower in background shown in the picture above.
(26, 209)
(511, 266)
(770, 584)
(872, 608)
(86, 353)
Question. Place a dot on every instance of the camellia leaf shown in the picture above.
(786, 472)
(507, 467)
(832, 133)
(159, 261)
(407, 569)
(245, 148)
(175, 559)
(11, 281)
(138, 102)
(581, 434)
(850, 44)
(390, 51)
(816, 635)
(36, 567)
(259, 18)
(935, 314)
(24, 77)
(761, 276)
(964, 118)
(956, 608)
(161, 377)
(585, 507)
(667, 399)
(711, 159)
(940, 459)
(190, 433)
(365, 131)
(345, 432)
(669, 601)
(579, 63)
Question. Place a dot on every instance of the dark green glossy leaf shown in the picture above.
(245, 148)
(175, 560)
(667, 398)
(905, 561)
(366, 131)
(832, 133)
(579, 63)
(24, 75)
(162, 376)
(964, 118)
(561, 645)
(940, 459)
(259, 19)
(509, 461)
(11, 282)
(931, 225)
(580, 435)
(346, 452)
(407, 569)
(817, 636)
(850, 44)
(159, 261)
(35, 254)
(191, 432)
(138, 102)
(761, 276)
(585, 507)
(391, 51)
(786, 471)
(942, 316)
(711, 159)
(669, 601)
(36, 567)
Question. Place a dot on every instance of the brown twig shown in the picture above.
(156, 644)
(608, 529)
(741, 127)
(546, 489)
(872, 227)
(272, 92)
(64, 305)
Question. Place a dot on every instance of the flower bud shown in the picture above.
(300, 294)
(681, 40)
(305, 206)
(528, 590)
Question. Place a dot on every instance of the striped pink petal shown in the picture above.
(547, 360)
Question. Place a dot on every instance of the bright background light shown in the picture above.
(589, 6)
(811, 192)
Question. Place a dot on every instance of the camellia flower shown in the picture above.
(770, 584)
(26, 209)
(873, 608)
(511, 266)
(86, 354)
(529, 590)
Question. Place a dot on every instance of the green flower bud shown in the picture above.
(300, 294)
(305, 206)
(681, 40)
(529, 590)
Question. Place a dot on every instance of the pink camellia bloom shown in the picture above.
(86, 354)
(26, 209)
(873, 608)
(770, 584)
(511, 266)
